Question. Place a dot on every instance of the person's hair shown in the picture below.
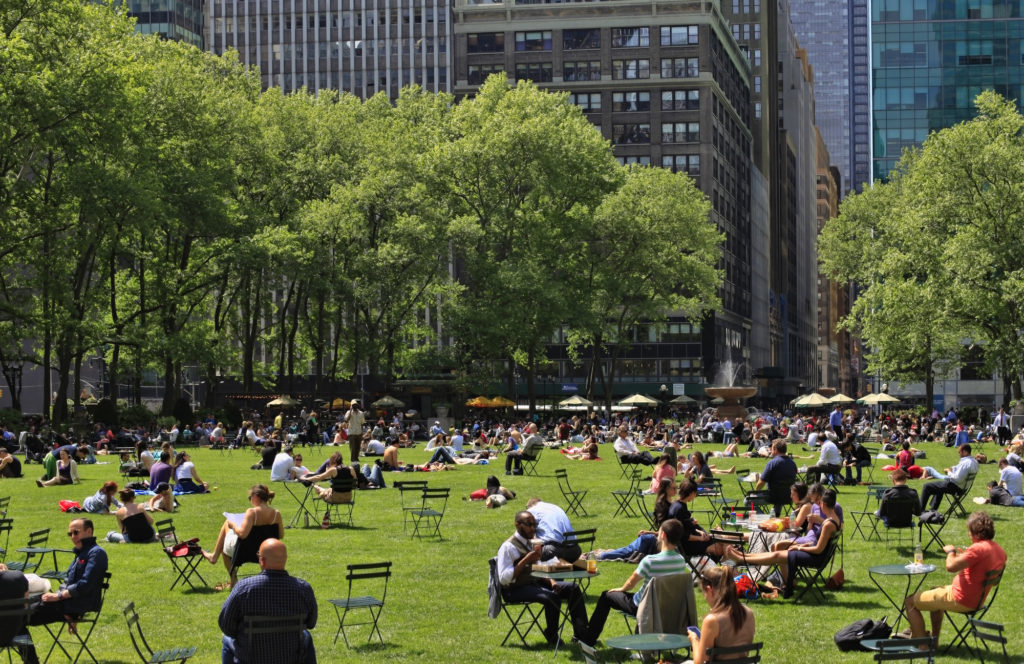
(673, 531)
(687, 488)
(800, 489)
(165, 456)
(664, 485)
(86, 523)
(779, 445)
(980, 526)
(906, 445)
(698, 459)
(816, 489)
(828, 498)
(262, 492)
(1002, 462)
(900, 475)
(126, 495)
(723, 595)
(109, 487)
(336, 459)
(522, 515)
(668, 457)
(179, 459)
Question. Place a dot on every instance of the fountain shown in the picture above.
(730, 393)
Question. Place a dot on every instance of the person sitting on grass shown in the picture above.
(10, 466)
(967, 592)
(67, 471)
(729, 622)
(798, 554)
(260, 514)
(664, 563)
(102, 500)
(135, 524)
(162, 499)
(186, 477)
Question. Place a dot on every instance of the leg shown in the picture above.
(227, 650)
(1018, 501)
(625, 551)
(218, 548)
(570, 592)
(914, 616)
(308, 648)
(605, 602)
(353, 449)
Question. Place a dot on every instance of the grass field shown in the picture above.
(437, 602)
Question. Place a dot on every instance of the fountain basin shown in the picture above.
(731, 396)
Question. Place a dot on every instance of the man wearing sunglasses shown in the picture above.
(82, 590)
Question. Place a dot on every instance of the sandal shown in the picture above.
(220, 587)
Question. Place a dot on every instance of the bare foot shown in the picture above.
(212, 559)
(730, 471)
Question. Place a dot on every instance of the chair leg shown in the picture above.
(527, 609)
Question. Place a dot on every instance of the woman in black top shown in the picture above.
(696, 541)
(136, 524)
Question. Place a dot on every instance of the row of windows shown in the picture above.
(677, 163)
(541, 40)
(746, 31)
(640, 132)
(949, 53)
(628, 102)
(312, 21)
(924, 10)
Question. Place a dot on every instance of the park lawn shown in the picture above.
(437, 603)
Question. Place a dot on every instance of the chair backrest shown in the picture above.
(14, 613)
(668, 604)
(4, 502)
(636, 478)
(434, 495)
(6, 526)
(899, 512)
(365, 571)
(165, 533)
(135, 632)
(906, 649)
(990, 587)
(988, 632)
(749, 653)
(271, 629)
(39, 538)
(584, 537)
(405, 486)
(562, 475)
(247, 549)
(343, 483)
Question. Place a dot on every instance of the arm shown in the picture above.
(708, 636)
(247, 523)
(827, 532)
(630, 583)
(74, 471)
(280, 524)
(957, 561)
(92, 575)
(195, 476)
(508, 569)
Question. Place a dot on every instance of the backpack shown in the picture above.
(931, 516)
(850, 637)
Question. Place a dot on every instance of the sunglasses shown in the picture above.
(72, 533)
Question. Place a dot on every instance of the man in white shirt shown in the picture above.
(458, 440)
(1010, 477)
(516, 557)
(953, 481)
(830, 461)
(627, 450)
(280, 471)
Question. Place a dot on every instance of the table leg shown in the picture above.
(901, 610)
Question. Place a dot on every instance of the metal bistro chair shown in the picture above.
(84, 626)
(573, 499)
(15, 613)
(184, 560)
(985, 633)
(989, 592)
(142, 647)
(6, 526)
(271, 629)
(413, 488)
(434, 502)
(529, 614)
(749, 653)
(890, 650)
(625, 497)
(342, 607)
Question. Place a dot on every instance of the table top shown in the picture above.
(901, 569)
(565, 576)
(647, 642)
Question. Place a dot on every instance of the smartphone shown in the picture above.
(695, 630)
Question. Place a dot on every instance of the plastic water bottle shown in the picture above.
(732, 517)
(918, 555)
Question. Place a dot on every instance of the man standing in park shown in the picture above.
(1002, 424)
(273, 592)
(531, 446)
(355, 419)
(835, 420)
(516, 557)
(82, 590)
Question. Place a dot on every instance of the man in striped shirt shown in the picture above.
(666, 562)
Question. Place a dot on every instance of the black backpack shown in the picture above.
(849, 637)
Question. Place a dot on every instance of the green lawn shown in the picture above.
(437, 604)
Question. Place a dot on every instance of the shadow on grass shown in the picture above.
(373, 648)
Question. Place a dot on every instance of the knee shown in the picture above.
(908, 603)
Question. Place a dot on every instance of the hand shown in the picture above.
(692, 636)
(50, 597)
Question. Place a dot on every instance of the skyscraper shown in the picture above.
(931, 59)
(181, 20)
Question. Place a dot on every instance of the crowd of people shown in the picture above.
(677, 544)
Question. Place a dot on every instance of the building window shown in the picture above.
(582, 71)
(574, 39)
(631, 101)
(679, 35)
(587, 101)
(757, 84)
(976, 52)
(538, 72)
(680, 100)
(539, 40)
(755, 58)
(757, 109)
(680, 67)
(680, 132)
(682, 163)
(485, 42)
(631, 37)
(642, 160)
(479, 73)
(627, 69)
(626, 134)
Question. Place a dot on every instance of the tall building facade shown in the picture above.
(668, 86)
(835, 34)
(357, 46)
(931, 59)
(180, 20)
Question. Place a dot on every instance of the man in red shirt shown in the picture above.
(967, 591)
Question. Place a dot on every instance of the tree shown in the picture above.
(523, 171)
(650, 251)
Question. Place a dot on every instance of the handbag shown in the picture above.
(836, 581)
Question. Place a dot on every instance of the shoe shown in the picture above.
(39, 483)
(551, 636)
(787, 592)
(508, 472)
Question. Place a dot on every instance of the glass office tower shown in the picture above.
(931, 58)
(181, 20)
